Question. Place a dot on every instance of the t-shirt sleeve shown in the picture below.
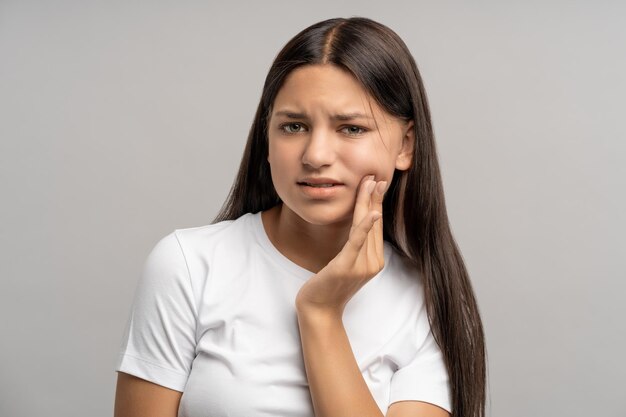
(424, 378)
(160, 338)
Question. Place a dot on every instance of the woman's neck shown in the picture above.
(307, 245)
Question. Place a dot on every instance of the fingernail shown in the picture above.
(370, 187)
(381, 187)
(370, 177)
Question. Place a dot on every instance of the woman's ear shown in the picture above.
(405, 156)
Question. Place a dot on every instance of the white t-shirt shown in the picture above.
(214, 317)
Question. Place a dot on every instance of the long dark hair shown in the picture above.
(414, 211)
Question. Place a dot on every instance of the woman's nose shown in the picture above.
(319, 150)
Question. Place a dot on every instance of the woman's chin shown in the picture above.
(325, 216)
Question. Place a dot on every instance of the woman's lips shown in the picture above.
(320, 192)
(318, 180)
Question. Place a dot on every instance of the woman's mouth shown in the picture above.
(320, 191)
(317, 185)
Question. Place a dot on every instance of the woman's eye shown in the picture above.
(294, 127)
(288, 127)
(354, 130)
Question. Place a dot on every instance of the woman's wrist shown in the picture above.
(317, 315)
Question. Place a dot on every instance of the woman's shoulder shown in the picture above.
(222, 231)
(197, 249)
(207, 241)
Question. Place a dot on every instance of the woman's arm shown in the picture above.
(136, 397)
(335, 381)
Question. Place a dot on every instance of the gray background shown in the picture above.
(121, 121)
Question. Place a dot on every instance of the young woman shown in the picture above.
(330, 283)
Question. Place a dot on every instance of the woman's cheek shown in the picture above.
(368, 162)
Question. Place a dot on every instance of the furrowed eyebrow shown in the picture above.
(341, 117)
(350, 116)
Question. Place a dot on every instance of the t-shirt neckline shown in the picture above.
(287, 263)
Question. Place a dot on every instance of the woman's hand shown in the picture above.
(359, 260)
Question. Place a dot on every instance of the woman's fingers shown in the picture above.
(366, 236)
(377, 229)
(360, 234)
(378, 195)
(362, 205)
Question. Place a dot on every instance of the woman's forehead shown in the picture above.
(325, 90)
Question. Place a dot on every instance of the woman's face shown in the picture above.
(324, 125)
